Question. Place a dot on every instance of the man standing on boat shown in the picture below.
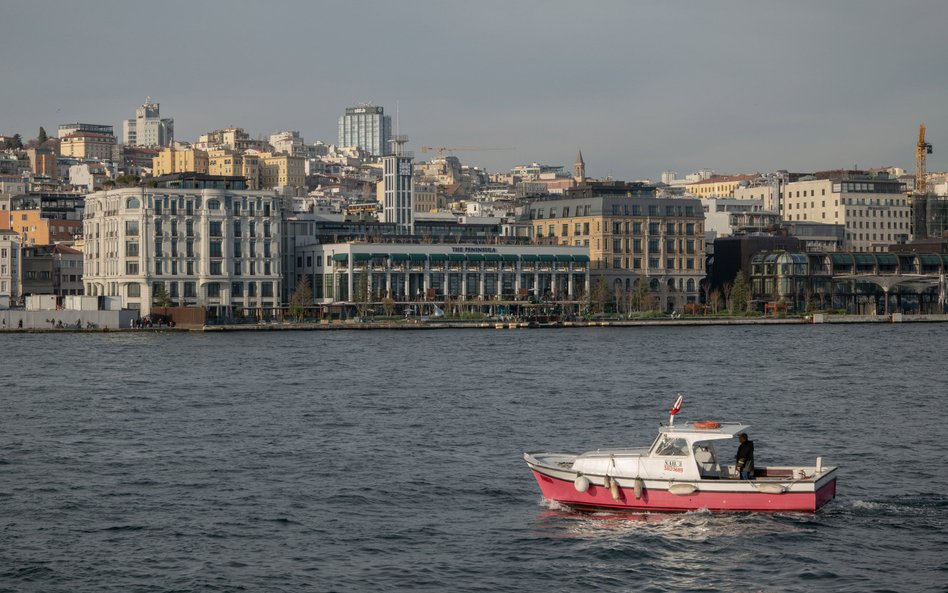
(745, 457)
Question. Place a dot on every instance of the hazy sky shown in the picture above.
(641, 87)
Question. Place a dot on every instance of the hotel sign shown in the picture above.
(474, 249)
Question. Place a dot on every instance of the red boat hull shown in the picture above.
(652, 499)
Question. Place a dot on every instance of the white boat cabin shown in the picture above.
(684, 451)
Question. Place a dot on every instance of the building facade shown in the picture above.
(171, 160)
(9, 266)
(51, 269)
(281, 170)
(202, 244)
(148, 128)
(398, 187)
(369, 272)
(231, 163)
(631, 236)
(367, 127)
(875, 210)
(88, 145)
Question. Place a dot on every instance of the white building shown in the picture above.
(398, 180)
(207, 246)
(148, 128)
(875, 210)
(289, 142)
(723, 217)
(9, 266)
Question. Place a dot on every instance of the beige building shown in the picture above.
(281, 170)
(632, 237)
(764, 193)
(718, 187)
(171, 160)
(231, 163)
(88, 145)
(9, 265)
(875, 210)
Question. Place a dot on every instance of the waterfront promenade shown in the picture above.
(414, 324)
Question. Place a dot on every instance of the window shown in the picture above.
(158, 267)
(617, 245)
(636, 228)
(252, 289)
(690, 228)
(266, 268)
(670, 263)
(214, 228)
(189, 290)
(132, 204)
(266, 249)
(670, 228)
(216, 249)
(213, 290)
(653, 247)
(565, 229)
(237, 267)
(131, 249)
(131, 228)
(236, 228)
(213, 205)
(131, 268)
(671, 446)
(236, 289)
(253, 228)
(636, 245)
(189, 248)
(237, 248)
(189, 227)
(266, 289)
(690, 246)
(670, 246)
(637, 263)
(189, 267)
(585, 228)
(266, 229)
(215, 268)
(653, 228)
(652, 210)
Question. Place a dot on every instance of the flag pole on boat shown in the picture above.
(675, 409)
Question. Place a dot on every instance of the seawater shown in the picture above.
(391, 460)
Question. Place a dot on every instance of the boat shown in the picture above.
(688, 467)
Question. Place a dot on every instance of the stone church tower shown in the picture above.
(579, 168)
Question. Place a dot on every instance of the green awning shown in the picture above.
(493, 257)
(340, 257)
(438, 257)
(475, 257)
(418, 257)
(887, 259)
(563, 258)
(547, 257)
(509, 257)
(529, 258)
(379, 255)
(456, 257)
(864, 259)
(362, 256)
(584, 259)
(843, 259)
(930, 259)
(398, 256)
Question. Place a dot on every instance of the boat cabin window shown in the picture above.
(667, 445)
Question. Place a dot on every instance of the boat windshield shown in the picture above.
(668, 445)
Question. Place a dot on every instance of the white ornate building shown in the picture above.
(207, 245)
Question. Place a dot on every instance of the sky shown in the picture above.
(640, 87)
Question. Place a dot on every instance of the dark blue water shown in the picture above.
(391, 461)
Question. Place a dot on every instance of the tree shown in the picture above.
(301, 299)
(42, 137)
(600, 295)
(388, 303)
(14, 142)
(726, 289)
(714, 300)
(161, 297)
(640, 296)
(740, 294)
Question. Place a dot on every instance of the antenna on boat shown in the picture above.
(675, 409)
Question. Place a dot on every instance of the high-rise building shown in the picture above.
(398, 186)
(148, 128)
(368, 127)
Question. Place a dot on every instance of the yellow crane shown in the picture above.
(921, 150)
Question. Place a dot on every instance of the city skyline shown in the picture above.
(640, 89)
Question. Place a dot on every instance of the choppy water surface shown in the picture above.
(362, 461)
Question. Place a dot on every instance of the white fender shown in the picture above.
(682, 489)
(639, 486)
(614, 489)
(772, 488)
(581, 484)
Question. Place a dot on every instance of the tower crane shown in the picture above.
(442, 149)
(921, 150)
